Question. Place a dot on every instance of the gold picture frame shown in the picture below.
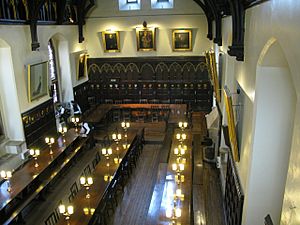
(37, 80)
(212, 70)
(82, 66)
(146, 39)
(231, 124)
(111, 41)
(182, 40)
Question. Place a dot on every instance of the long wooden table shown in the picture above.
(98, 113)
(29, 180)
(98, 187)
(167, 203)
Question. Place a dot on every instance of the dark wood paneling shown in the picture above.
(165, 79)
(81, 96)
(234, 196)
(38, 123)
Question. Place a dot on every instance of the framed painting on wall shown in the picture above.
(146, 39)
(111, 41)
(182, 40)
(82, 66)
(37, 80)
(231, 124)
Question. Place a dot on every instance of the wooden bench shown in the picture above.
(16, 214)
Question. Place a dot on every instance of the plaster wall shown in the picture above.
(185, 14)
(18, 40)
(278, 19)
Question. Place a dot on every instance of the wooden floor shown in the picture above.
(143, 194)
(142, 199)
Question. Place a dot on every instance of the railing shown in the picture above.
(17, 12)
(234, 195)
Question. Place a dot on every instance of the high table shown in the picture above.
(176, 111)
(29, 181)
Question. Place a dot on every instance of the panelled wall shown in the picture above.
(150, 80)
(38, 123)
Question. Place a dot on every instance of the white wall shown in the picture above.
(19, 39)
(9, 104)
(278, 19)
(271, 144)
(186, 14)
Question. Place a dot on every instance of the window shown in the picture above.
(53, 73)
(162, 4)
(125, 5)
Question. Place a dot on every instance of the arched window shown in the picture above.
(53, 73)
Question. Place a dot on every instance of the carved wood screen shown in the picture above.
(234, 196)
(38, 123)
(150, 80)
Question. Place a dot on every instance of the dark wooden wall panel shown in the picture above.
(81, 96)
(234, 196)
(150, 79)
(38, 123)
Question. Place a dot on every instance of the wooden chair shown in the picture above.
(126, 114)
(96, 160)
(108, 101)
(73, 191)
(87, 170)
(143, 101)
(116, 115)
(118, 101)
(52, 219)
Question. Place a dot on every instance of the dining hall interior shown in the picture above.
(147, 112)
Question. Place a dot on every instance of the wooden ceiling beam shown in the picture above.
(209, 18)
(238, 29)
(34, 7)
(218, 20)
(83, 7)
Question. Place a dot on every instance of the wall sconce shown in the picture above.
(50, 142)
(86, 182)
(35, 154)
(6, 175)
(66, 212)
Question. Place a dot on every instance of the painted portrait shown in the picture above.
(111, 41)
(182, 40)
(145, 39)
(37, 80)
(82, 66)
